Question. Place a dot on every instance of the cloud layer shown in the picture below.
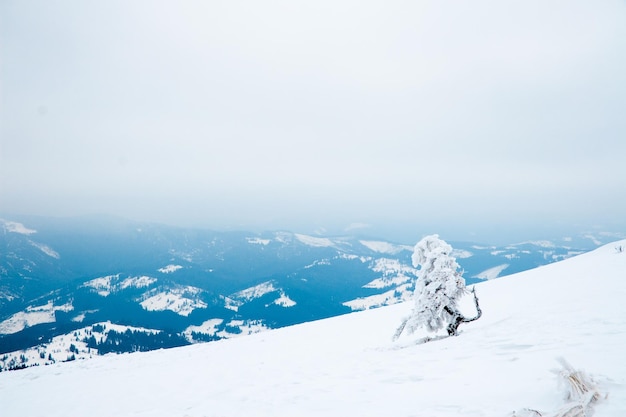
(276, 114)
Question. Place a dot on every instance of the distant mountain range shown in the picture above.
(71, 288)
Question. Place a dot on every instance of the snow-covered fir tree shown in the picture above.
(438, 289)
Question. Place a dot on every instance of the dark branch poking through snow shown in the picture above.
(458, 318)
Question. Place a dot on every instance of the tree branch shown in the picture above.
(479, 312)
(400, 329)
(458, 318)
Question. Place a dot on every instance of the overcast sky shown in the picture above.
(467, 118)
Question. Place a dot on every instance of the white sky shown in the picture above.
(413, 116)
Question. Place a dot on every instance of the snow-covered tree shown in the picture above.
(438, 289)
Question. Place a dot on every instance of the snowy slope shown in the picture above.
(66, 347)
(181, 300)
(33, 315)
(348, 366)
(104, 286)
(16, 227)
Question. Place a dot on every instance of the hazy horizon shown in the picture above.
(487, 119)
(577, 235)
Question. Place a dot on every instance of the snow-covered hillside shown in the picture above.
(78, 345)
(348, 365)
(31, 316)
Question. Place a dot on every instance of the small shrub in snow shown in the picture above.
(580, 392)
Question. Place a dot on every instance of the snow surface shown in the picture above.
(16, 227)
(384, 247)
(318, 263)
(540, 243)
(111, 283)
(396, 295)
(246, 328)
(283, 237)
(593, 239)
(258, 241)
(31, 317)
(236, 300)
(180, 300)
(80, 317)
(253, 293)
(169, 269)
(318, 242)
(46, 249)
(231, 304)
(348, 366)
(352, 257)
(136, 282)
(284, 301)
(102, 285)
(6, 295)
(62, 348)
(394, 274)
(461, 253)
(387, 282)
(492, 273)
(209, 327)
